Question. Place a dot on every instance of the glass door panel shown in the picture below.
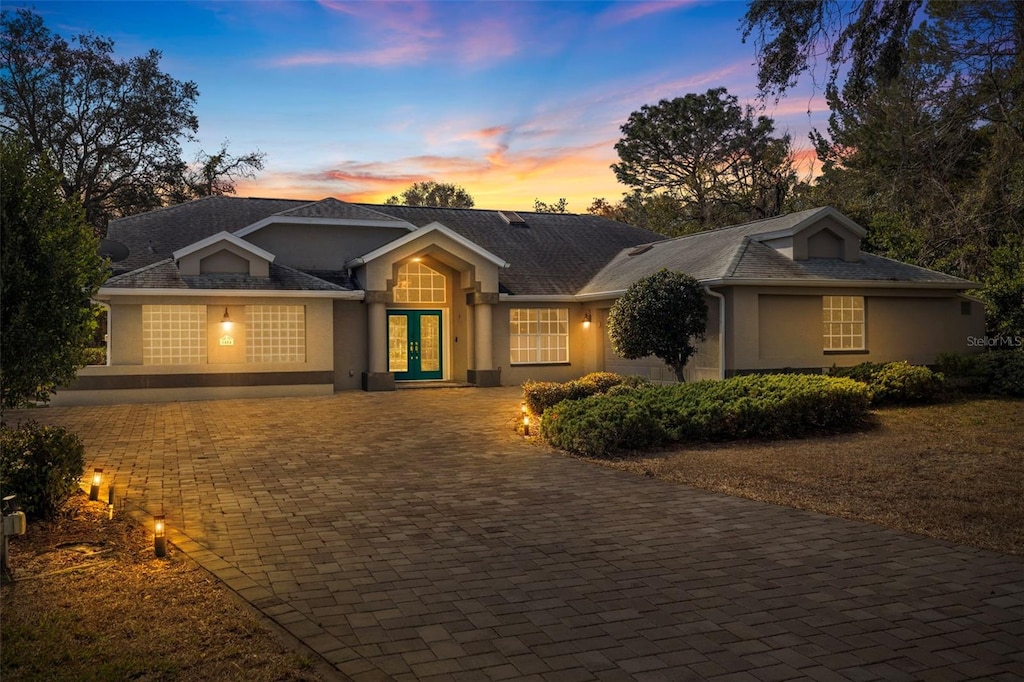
(430, 342)
(398, 341)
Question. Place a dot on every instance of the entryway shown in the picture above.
(414, 345)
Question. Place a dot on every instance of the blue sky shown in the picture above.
(512, 100)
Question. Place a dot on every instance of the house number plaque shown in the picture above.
(227, 340)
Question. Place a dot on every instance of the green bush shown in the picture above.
(896, 383)
(540, 395)
(755, 406)
(95, 356)
(900, 383)
(41, 465)
(998, 372)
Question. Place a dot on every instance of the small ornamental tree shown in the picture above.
(663, 315)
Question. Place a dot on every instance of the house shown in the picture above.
(231, 297)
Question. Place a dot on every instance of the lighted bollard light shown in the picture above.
(159, 536)
(94, 490)
(110, 501)
(526, 420)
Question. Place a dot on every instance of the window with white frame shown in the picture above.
(173, 334)
(418, 283)
(843, 322)
(539, 335)
(275, 333)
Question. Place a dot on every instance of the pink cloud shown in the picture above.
(404, 33)
(622, 13)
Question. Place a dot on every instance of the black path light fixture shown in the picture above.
(159, 536)
(526, 419)
(94, 489)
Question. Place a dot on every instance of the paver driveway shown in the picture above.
(410, 535)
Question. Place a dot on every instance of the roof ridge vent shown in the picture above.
(512, 218)
(643, 248)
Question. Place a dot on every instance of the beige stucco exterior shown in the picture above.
(752, 326)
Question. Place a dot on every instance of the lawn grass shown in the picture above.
(953, 471)
(90, 601)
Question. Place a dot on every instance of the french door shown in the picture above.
(414, 345)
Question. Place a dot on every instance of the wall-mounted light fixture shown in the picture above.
(94, 489)
(586, 320)
(159, 536)
(225, 322)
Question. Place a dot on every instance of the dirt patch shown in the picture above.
(953, 471)
(90, 601)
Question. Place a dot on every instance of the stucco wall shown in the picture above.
(126, 335)
(350, 358)
(321, 247)
(775, 328)
(581, 345)
(703, 365)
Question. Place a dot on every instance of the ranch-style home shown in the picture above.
(232, 297)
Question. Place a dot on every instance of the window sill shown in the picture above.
(539, 364)
(848, 351)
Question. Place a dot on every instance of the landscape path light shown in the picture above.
(94, 489)
(159, 536)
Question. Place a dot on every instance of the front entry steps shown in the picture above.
(403, 385)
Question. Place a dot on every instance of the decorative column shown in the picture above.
(482, 372)
(378, 378)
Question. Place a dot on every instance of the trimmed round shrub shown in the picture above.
(42, 465)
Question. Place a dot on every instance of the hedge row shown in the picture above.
(41, 465)
(896, 383)
(540, 395)
(755, 406)
(997, 372)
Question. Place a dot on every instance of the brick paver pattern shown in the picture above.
(413, 535)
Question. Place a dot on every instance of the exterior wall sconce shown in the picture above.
(586, 320)
(225, 322)
(94, 489)
(159, 536)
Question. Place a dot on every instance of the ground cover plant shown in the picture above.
(952, 471)
(897, 383)
(754, 406)
(91, 602)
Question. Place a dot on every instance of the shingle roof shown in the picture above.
(553, 254)
(165, 275)
(332, 208)
(154, 236)
(731, 253)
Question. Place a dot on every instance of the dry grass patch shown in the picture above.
(91, 602)
(953, 471)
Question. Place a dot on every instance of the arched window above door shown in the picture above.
(417, 283)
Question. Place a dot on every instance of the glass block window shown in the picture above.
(417, 283)
(843, 322)
(276, 333)
(173, 334)
(539, 335)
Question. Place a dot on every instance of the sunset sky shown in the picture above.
(512, 100)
